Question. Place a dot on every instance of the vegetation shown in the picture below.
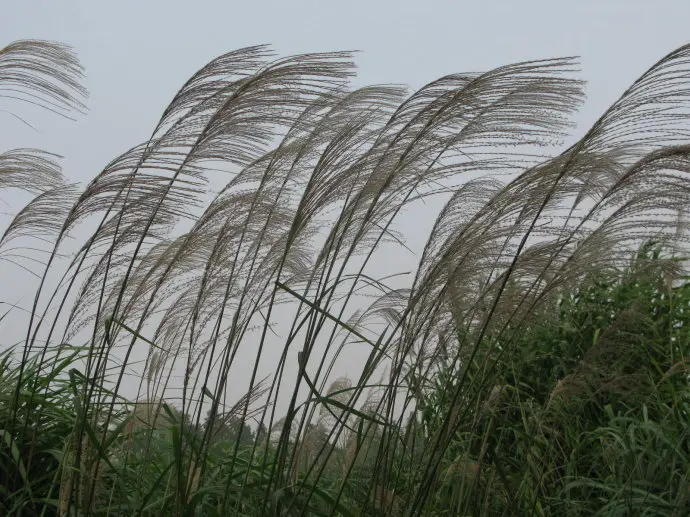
(224, 323)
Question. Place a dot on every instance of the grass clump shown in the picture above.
(224, 321)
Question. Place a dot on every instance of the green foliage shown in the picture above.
(589, 406)
(33, 432)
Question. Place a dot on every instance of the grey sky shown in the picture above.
(138, 53)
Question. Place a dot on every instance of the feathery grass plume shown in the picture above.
(40, 220)
(32, 170)
(231, 264)
(46, 75)
(522, 233)
(42, 73)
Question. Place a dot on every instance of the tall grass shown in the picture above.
(221, 325)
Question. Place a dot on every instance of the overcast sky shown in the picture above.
(138, 53)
